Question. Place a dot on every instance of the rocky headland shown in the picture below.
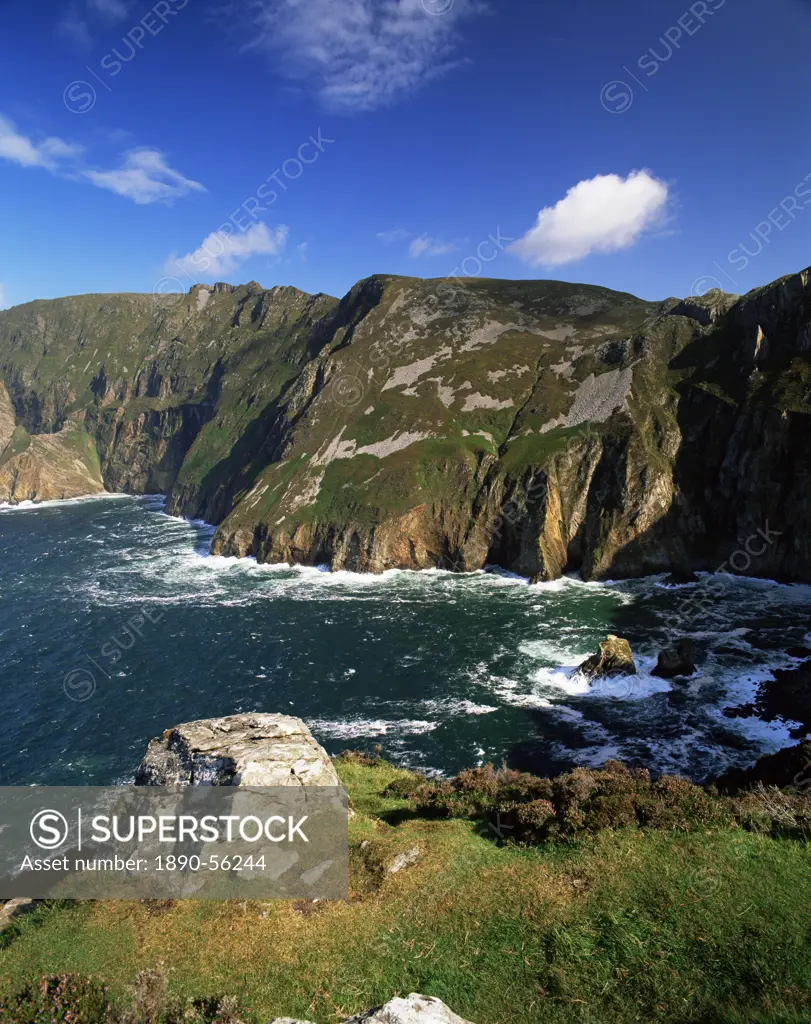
(535, 425)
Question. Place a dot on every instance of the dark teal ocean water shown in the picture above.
(115, 624)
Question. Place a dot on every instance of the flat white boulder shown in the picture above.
(413, 1009)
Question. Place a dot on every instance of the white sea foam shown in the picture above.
(453, 708)
(554, 653)
(35, 506)
(366, 727)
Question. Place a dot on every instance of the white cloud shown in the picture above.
(19, 149)
(109, 8)
(361, 54)
(602, 214)
(2, 296)
(395, 235)
(424, 245)
(145, 178)
(220, 254)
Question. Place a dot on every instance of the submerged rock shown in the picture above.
(413, 1009)
(242, 750)
(676, 661)
(679, 577)
(615, 659)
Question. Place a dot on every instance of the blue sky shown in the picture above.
(314, 142)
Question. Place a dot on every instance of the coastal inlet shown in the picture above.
(115, 623)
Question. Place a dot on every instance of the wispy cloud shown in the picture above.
(220, 254)
(73, 27)
(602, 214)
(76, 22)
(110, 8)
(424, 245)
(395, 235)
(2, 296)
(19, 149)
(421, 245)
(361, 54)
(145, 177)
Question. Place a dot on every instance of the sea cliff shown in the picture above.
(540, 426)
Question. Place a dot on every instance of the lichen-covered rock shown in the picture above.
(404, 860)
(705, 309)
(241, 750)
(11, 910)
(615, 659)
(412, 1009)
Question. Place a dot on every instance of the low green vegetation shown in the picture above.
(635, 901)
(20, 440)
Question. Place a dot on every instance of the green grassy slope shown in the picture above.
(705, 924)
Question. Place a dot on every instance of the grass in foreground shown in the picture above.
(705, 925)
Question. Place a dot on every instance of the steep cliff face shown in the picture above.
(63, 464)
(536, 425)
(145, 374)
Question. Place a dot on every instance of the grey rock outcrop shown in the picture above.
(16, 908)
(241, 750)
(404, 860)
(413, 1009)
(705, 309)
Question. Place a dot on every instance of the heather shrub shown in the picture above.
(149, 998)
(152, 1004)
(772, 811)
(56, 999)
(76, 999)
(579, 802)
(480, 791)
(367, 868)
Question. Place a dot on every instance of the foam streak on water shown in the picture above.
(116, 623)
